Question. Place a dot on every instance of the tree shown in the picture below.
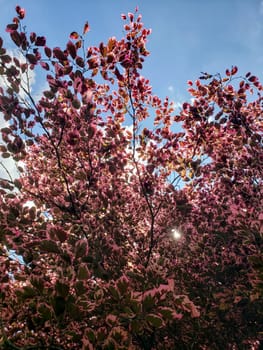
(100, 193)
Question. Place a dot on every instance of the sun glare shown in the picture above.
(176, 233)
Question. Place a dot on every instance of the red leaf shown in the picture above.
(16, 20)
(11, 27)
(20, 11)
(72, 49)
(81, 248)
(31, 58)
(49, 246)
(80, 62)
(103, 49)
(228, 72)
(118, 74)
(110, 57)
(62, 289)
(185, 106)
(6, 58)
(234, 70)
(61, 235)
(111, 44)
(78, 44)
(252, 79)
(44, 65)
(67, 70)
(33, 37)
(154, 320)
(59, 54)
(86, 28)
(16, 38)
(92, 62)
(74, 35)
(76, 104)
(40, 41)
(48, 51)
(5, 155)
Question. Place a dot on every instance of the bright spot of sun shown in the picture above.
(176, 233)
(29, 204)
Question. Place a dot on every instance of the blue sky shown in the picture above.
(188, 36)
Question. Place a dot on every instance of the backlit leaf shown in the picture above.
(49, 246)
(62, 289)
(72, 49)
(16, 38)
(74, 35)
(31, 58)
(40, 41)
(11, 27)
(154, 320)
(86, 28)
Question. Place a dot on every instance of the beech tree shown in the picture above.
(127, 233)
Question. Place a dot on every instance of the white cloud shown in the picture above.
(177, 104)
(39, 92)
(175, 99)
(8, 166)
(27, 78)
(171, 89)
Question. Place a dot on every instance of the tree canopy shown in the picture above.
(128, 233)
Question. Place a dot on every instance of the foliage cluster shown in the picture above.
(100, 192)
